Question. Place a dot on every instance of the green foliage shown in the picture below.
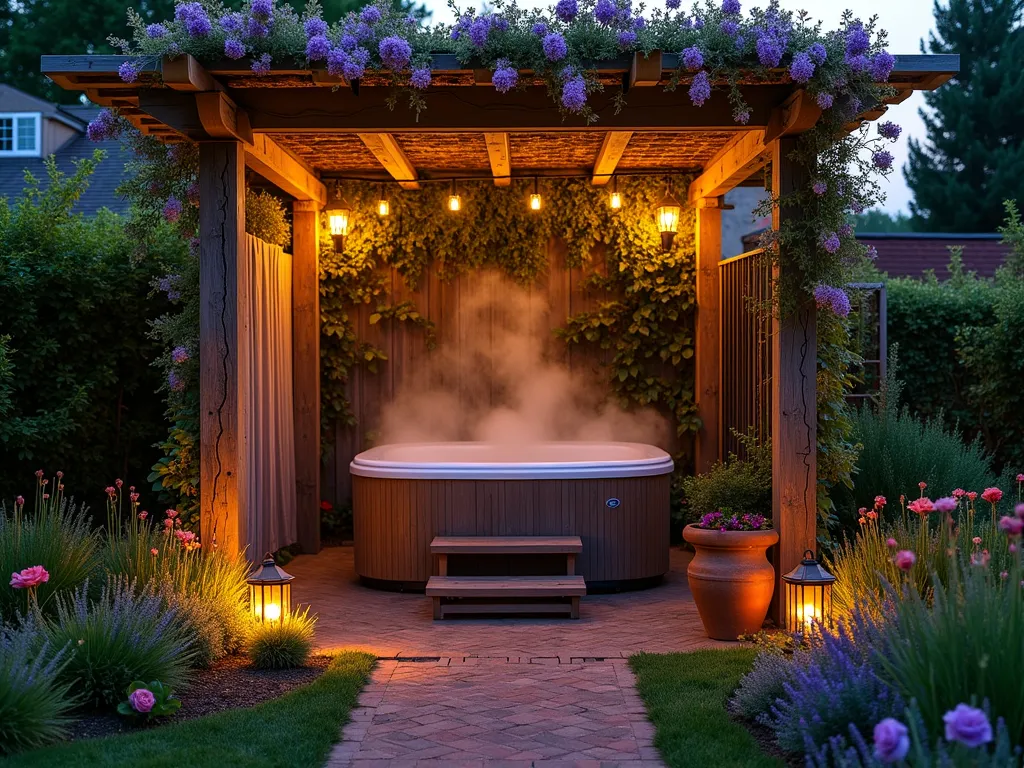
(164, 704)
(123, 635)
(961, 174)
(281, 644)
(52, 533)
(879, 220)
(265, 218)
(34, 705)
(740, 486)
(76, 391)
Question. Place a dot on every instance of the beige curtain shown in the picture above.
(270, 434)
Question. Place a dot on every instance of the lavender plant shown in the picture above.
(763, 685)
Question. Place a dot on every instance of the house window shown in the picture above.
(19, 134)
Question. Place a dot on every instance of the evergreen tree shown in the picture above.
(973, 157)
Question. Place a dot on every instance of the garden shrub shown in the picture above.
(281, 644)
(74, 356)
(50, 532)
(762, 686)
(123, 635)
(34, 703)
(740, 486)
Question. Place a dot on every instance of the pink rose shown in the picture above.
(168, 523)
(976, 540)
(967, 725)
(171, 513)
(1012, 526)
(905, 559)
(30, 577)
(142, 700)
(922, 506)
(992, 495)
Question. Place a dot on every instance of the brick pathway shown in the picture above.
(545, 693)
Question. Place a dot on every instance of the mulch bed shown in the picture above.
(229, 684)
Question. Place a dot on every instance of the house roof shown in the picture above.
(911, 254)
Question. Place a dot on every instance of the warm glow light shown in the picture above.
(272, 612)
(338, 219)
(383, 208)
(535, 202)
(454, 203)
(616, 200)
(270, 592)
(808, 595)
(668, 218)
(809, 614)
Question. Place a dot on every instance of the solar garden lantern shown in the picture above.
(270, 591)
(808, 595)
(668, 220)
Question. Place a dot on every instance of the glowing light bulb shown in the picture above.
(383, 208)
(535, 202)
(454, 203)
(338, 219)
(272, 612)
(615, 201)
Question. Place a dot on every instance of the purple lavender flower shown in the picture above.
(820, 187)
(857, 40)
(802, 68)
(175, 382)
(731, 6)
(129, 71)
(540, 29)
(395, 53)
(566, 10)
(180, 355)
(830, 242)
(700, 89)
(832, 298)
(410, 21)
(698, 23)
(730, 27)
(256, 28)
(672, 5)
(504, 77)
(105, 126)
(967, 725)
(817, 53)
(892, 741)
(360, 55)
(846, 230)
(639, 23)
(604, 11)
(740, 42)
(156, 31)
(336, 60)
(234, 49)
(456, 33)
(420, 78)
(742, 117)
(261, 66)
(574, 93)
(825, 100)
(262, 9)
(858, 63)
(315, 27)
(172, 209)
(347, 42)
(769, 51)
(693, 59)
(554, 47)
(370, 14)
(232, 22)
(626, 39)
(882, 160)
(881, 66)
(889, 130)
(196, 21)
(479, 30)
(317, 48)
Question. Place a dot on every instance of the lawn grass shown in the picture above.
(296, 729)
(685, 695)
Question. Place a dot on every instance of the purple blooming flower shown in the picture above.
(317, 48)
(263, 9)
(179, 355)
(858, 63)
(231, 22)
(817, 53)
(857, 40)
(166, 284)
(336, 60)
(846, 230)
(172, 209)
(700, 89)
(731, 6)
(315, 27)
(871, 252)
(370, 14)
(835, 299)
(574, 93)
(892, 741)
(500, 23)
(540, 29)
(353, 69)
(889, 130)
(504, 77)
(730, 27)
(192, 193)
(693, 59)
(626, 39)
(261, 66)
(197, 23)
(175, 382)
(420, 78)
(802, 68)
(604, 11)
(881, 66)
(554, 47)
(129, 71)
(105, 126)
(256, 28)
(740, 42)
(363, 32)
(967, 725)
(882, 160)
(348, 42)
(820, 187)
(566, 10)
(672, 4)
(830, 242)
(479, 30)
(742, 117)
(769, 51)
(825, 100)
(395, 53)
(234, 49)
(155, 31)
(698, 23)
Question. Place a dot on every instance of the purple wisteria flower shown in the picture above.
(318, 47)
(700, 89)
(353, 68)
(693, 59)
(554, 47)
(881, 66)
(336, 60)
(817, 53)
(420, 78)
(172, 209)
(882, 160)
(256, 28)
(892, 741)
(479, 30)
(232, 22)
(820, 187)
(802, 68)
(698, 23)
(348, 42)
(574, 93)
(566, 10)
(740, 42)
(830, 242)
(156, 31)
(672, 5)
(234, 49)
(180, 355)
(395, 53)
(166, 284)
(730, 27)
(846, 230)
(889, 130)
(363, 32)
(858, 63)
(825, 100)
(857, 40)
(835, 299)
(175, 382)
(500, 23)
(626, 39)
(129, 71)
(261, 66)
(194, 17)
(192, 193)
(505, 77)
(604, 11)
(770, 50)
(742, 117)
(731, 6)
(539, 29)
(370, 14)
(968, 725)
(315, 27)
(262, 9)
(105, 126)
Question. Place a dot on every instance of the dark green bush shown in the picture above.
(735, 485)
(281, 644)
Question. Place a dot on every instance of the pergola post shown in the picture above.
(708, 337)
(224, 394)
(306, 369)
(793, 399)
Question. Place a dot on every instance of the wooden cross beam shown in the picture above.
(499, 153)
(609, 155)
(733, 164)
(389, 153)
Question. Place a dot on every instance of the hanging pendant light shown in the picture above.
(339, 216)
(454, 201)
(535, 199)
(668, 220)
(615, 201)
(383, 206)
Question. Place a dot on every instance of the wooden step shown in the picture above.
(505, 594)
(506, 545)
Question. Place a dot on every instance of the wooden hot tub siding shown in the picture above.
(395, 521)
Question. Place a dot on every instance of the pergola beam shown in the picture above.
(608, 156)
(499, 154)
(390, 155)
(280, 167)
(734, 163)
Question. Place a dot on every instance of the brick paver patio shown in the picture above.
(545, 693)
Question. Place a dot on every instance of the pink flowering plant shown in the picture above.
(148, 701)
(726, 521)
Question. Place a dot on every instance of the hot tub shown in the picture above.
(614, 496)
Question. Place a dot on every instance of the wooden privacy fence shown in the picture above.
(745, 283)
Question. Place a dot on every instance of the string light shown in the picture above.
(615, 201)
(454, 201)
(535, 199)
(383, 206)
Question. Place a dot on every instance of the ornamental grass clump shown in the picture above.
(281, 644)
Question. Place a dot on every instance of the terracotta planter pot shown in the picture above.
(731, 579)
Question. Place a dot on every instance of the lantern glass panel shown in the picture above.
(616, 200)
(668, 218)
(338, 219)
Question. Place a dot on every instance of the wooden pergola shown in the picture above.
(296, 127)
